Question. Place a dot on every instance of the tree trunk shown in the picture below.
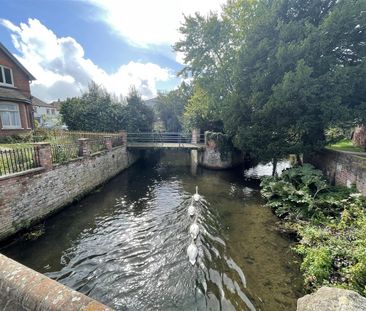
(274, 167)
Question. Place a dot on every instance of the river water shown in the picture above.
(125, 243)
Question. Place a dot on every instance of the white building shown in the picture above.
(47, 115)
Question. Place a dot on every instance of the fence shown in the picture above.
(62, 153)
(64, 137)
(18, 160)
(178, 138)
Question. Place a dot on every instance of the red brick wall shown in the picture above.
(21, 80)
(344, 169)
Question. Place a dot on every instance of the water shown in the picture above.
(125, 244)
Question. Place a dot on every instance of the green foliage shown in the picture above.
(136, 116)
(170, 107)
(345, 145)
(223, 143)
(95, 111)
(279, 73)
(200, 111)
(302, 193)
(331, 222)
(334, 253)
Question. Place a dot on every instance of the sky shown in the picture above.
(117, 43)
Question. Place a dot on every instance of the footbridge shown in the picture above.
(166, 140)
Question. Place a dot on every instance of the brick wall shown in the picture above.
(341, 168)
(21, 80)
(28, 197)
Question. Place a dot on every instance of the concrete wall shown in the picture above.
(27, 197)
(341, 168)
(211, 157)
(23, 289)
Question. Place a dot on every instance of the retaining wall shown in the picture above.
(30, 196)
(212, 158)
(341, 168)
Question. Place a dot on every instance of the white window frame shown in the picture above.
(11, 127)
(3, 74)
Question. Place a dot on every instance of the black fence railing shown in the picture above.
(18, 160)
(62, 153)
(178, 138)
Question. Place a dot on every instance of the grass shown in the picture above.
(345, 145)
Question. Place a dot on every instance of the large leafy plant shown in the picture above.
(302, 193)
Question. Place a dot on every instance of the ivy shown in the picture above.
(223, 143)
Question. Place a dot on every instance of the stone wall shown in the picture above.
(23, 289)
(212, 158)
(28, 197)
(341, 168)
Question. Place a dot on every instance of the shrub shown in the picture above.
(330, 222)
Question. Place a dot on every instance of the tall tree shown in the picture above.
(171, 105)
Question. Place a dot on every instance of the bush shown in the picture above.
(330, 223)
(302, 193)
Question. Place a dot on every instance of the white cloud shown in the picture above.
(61, 69)
(144, 22)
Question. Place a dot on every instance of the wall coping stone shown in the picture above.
(22, 288)
(31, 171)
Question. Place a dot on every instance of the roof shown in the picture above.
(12, 94)
(40, 103)
(11, 56)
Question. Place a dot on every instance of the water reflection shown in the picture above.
(125, 244)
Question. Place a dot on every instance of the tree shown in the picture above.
(287, 69)
(171, 105)
(137, 117)
(94, 111)
(200, 112)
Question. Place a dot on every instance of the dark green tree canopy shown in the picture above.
(97, 111)
(286, 69)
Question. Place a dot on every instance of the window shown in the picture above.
(10, 117)
(6, 76)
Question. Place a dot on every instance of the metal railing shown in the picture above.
(168, 137)
(117, 141)
(62, 153)
(18, 160)
(97, 144)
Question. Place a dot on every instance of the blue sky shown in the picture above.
(66, 43)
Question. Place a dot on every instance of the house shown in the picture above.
(16, 116)
(47, 115)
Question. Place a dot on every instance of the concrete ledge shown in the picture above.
(22, 288)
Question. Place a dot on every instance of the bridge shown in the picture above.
(166, 140)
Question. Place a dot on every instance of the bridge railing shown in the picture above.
(166, 137)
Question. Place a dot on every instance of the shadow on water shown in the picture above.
(125, 244)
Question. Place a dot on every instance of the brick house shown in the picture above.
(16, 115)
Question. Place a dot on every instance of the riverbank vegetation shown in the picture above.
(330, 223)
(275, 75)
